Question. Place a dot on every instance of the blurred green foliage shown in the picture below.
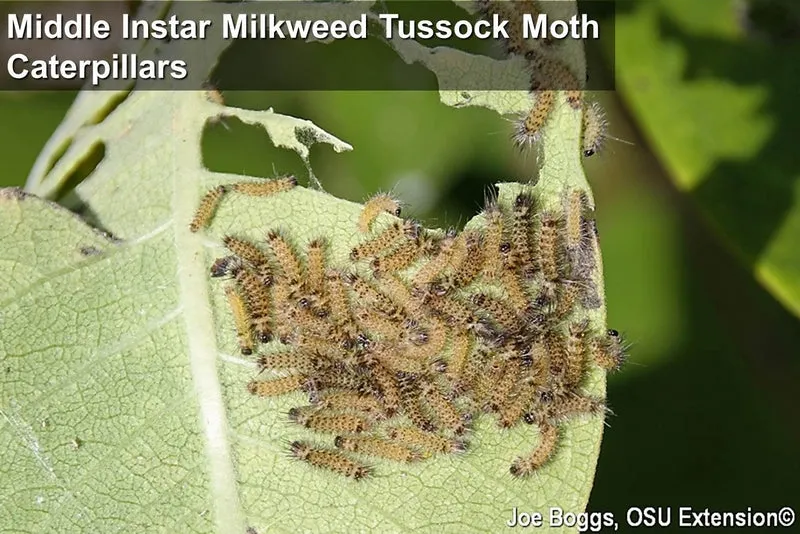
(714, 86)
(706, 408)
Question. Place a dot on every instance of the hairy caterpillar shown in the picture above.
(241, 318)
(380, 203)
(208, 206)
(331, 460)
(374, 446)
(265, 188)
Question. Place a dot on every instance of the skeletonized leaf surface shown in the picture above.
(123, 404)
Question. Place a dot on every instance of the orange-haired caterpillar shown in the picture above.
(265, 188)
(399, 361)
(208, 206)
(349, 400)
(331, 460)
(550, 246)
(453, 311)
(514, 289)
(608, 350)
(494, 237)
(367, 293)
(567, 293)
(521, 256)
(385, 387)
(397, 260)
(437, 264)
(210, 201)
(595, 130)
(315, 266)
(548, 75)
(504, 385)
(381, 242)
(514, 408)
(471, 265)
(329, 422)
(499, 312)
(443, 409)
(374, 446)
(595, 127)
(252, 255)
(427, 442)
(338, 299)
(298, 360)
(398, 293)
(459, 354)
(278, 386)
(482, 384)
(572, 405)
(259, 303)
(435, 341)
(410, 400)
(286, 256)
(382, 202)
(525, 465)
(378, 323)
(241, 318)
(529, 126)
(576, 352)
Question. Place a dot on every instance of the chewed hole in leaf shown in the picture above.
(82, 168)
(111, 106)
(223, 139)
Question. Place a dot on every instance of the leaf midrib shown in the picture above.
(195, 298)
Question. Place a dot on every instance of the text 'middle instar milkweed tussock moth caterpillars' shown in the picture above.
(398, 363)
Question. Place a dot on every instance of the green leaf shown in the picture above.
(718, 106)
(123, 405)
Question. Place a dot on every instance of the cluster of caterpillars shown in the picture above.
(550, 78)
(421, 331)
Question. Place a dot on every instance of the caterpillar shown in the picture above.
(398, 259)
(595, 128)
(427, 442)
(380, 203)
(286, 256)
(278, 386)
(329, 422)
(252, 255)
(374, 446)
(259, 303)
(265, 188)
(207, 208)
(331, 460)
(494, 237)
(241, 318)
(526, 465)
(529, 126)
(609, 350)
(443, 409)
(315, 266)
(380, 243)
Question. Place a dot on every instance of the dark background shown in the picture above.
(707, 407)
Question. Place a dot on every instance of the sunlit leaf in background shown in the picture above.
(716, 98)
